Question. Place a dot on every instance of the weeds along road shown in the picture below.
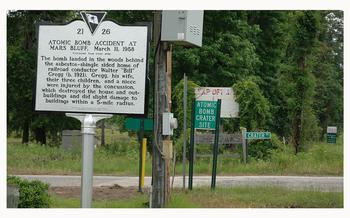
(319, 183)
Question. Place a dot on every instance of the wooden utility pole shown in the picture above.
(160, 170)
(168, 145)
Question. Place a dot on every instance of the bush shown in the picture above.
(32, 194)
(254, 108)
(262, 149)
(178, 145)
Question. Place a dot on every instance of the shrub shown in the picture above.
(32, 194)
(254, 108)
(178, 145)
(262, 149)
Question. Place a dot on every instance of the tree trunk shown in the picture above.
(297, 132)
(25, 135)
(299, 109)
(40, 135)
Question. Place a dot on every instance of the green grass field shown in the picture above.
(238, 197)
(320, 159)
(122, 159)
(134, 202)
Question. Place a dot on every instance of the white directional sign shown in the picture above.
(229, 107)
(96, 68)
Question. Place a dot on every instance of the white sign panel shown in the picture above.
(331, 129)
(99, 72)
(229, 107)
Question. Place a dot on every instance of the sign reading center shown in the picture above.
(205, 114)
(94, 68)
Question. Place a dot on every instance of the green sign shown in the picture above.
(258, 135)
(205, 114)
(331, 138)
(135, 124)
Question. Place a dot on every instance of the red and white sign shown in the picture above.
(229, 107)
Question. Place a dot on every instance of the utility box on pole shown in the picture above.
(184, 27)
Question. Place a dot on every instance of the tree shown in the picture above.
(227, 54)
(327, 61)
(178, 100)
(301, 99)
(254, 108)
(271, 44)
(21, 70)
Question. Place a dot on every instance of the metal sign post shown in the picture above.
(216, 145)
(190, 167)
(205, 115)
(244, 145)
(141, 137)
(88, 130)
(184, 133)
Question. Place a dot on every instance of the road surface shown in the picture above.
(326, 183)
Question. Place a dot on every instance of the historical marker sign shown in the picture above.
(205, 114)
(229, 107)
(91, 67)
(258, 135)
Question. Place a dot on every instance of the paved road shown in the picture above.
(293, 182)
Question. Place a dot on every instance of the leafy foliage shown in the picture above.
(254, 107)
(286, 67)
(178, 100)
(263, 149)
(32, 194)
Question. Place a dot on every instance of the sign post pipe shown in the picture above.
(184, 134)
(216, 145)
(88, 130)
(141, 136)
(244, 145)
(190, 167)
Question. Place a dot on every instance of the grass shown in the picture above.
(256, 197)
(134, 202)
(121, 158)
(38, 159)
(237, 197)
(320, 159)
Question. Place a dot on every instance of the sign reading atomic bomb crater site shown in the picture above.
(100, 71)
(205, 114)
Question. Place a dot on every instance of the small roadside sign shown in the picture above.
(258, 135)
(331, 138)
(331, 134)
(205, 114)
(229, 106)
(135, 124)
